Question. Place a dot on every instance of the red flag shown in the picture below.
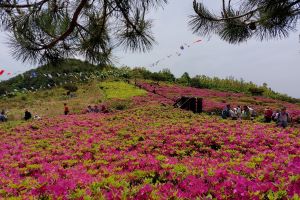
(1, 72)
(8, 73)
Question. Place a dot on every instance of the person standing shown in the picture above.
(283, 118)
(66, 109)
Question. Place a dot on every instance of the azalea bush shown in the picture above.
(152, 151)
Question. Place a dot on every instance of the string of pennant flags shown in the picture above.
(3, 72)
(60, 79)
(82, 76)
(181, 48)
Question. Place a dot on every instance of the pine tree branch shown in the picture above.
(229, 3)
(250, 13)
(82, 27)
(223, 18)
(104, 15)
(294, 3)
(126, 17)
(5, 5)
(71, 28)
(224, 8)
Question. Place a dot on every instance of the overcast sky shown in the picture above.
(276, 62)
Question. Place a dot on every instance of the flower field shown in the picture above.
(150, 151)
(216, 100)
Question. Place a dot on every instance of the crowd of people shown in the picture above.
(96, 109)
(246, 113)
(281, 117)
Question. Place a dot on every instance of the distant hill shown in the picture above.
(46, 76)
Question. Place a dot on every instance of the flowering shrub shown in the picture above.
(149, 152)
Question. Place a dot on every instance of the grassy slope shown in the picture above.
(50, 102)
(120, 90)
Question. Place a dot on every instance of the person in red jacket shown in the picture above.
(66, 109)
(268, 115)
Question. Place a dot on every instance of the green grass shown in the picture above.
(50, 102)
(120, 90)
(10, 125)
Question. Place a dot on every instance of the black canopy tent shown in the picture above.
(191, 103)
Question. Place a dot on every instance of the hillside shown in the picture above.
(146, 149)
(49, 76)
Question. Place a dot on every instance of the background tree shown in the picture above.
(163, 75)
(48, 30)
(239, 21)
(185, 79)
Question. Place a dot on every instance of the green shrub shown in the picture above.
(256, 91)
(195, 82)
(163, 75)
(185, 79)
(120, 105)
